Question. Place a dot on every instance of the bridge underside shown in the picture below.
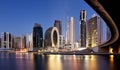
(109, 11)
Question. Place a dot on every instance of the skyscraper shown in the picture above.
(0, 42)
(17, 42)
(30, 42)
(37, 36)
(6, 40)
(95, 31)
(83, 28)
(23, 41)
(67, 39)
(72, 31)
(58, 24)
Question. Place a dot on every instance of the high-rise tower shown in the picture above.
(95, 31)
(72, 31)
(58, 24)
(6, 40)
(37, 36)
(83, 28)
(23, 41)
(17, 42)
(67, 40)
(30, 42)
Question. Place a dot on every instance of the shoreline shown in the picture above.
(72, 53)
(66, 53)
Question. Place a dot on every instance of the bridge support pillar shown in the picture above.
(116, 49)
(104, 49)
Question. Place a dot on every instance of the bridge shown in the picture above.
(109, 11)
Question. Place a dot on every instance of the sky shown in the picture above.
(18, 16)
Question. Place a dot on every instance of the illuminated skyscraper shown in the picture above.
(100, 29)
(6, 40)
(58, 24)
(37, 36)
(23, 41)
(83, 28)
(72, 31)
(67, 40)
(95, 31)
(30, 42)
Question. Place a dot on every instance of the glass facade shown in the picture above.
(83, 27)
(58, 24)
(37, 36)
(95, 33)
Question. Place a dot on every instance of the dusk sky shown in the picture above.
(18, 16)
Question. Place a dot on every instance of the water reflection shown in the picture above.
(90, 63)
(54, 62)
(34, 61)
(16, 61)
(83, 62)
(24, 61)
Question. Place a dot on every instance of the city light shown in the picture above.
(59, 35)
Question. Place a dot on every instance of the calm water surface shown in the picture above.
(32, 61)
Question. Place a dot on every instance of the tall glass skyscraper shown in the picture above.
(83, 28)
(67, 40)
(37, 36)
(58, 24)
(70, 31)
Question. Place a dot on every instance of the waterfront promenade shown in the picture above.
(82, 52)
(76, 52)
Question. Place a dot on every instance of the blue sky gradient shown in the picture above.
(18, 16)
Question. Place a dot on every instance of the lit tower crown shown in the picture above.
(83, 28)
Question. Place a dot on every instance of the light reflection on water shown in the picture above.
(32, 61)
(54, 62)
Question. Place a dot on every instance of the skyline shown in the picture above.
(31, 36)
(18, 17)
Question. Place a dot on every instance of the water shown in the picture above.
(33, 61)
